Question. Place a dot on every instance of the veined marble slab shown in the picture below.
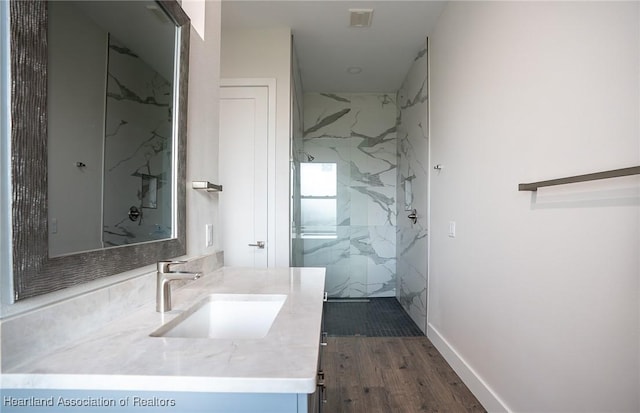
(122, 355)
(413, 161)
(138, 144)
(357, 132)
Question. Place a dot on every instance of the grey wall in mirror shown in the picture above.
(98, 136)
(112, 67)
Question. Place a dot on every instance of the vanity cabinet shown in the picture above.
(87, 401)
(317, 400)
(321, 393)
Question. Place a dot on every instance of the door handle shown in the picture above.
(259, 244)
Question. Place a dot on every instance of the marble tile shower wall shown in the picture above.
(358, 133)
(413, 161)
(137, 150)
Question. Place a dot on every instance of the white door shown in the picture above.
(243, 172)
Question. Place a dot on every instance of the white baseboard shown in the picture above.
(474, 382)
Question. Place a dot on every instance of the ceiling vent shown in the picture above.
(360, 17)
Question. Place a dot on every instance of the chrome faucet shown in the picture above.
(165, 275)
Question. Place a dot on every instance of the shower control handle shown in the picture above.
(134, 213)
(259, 244)
(413, 216)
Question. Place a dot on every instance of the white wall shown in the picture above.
(267, 54)
(202, 135)
(536, 298)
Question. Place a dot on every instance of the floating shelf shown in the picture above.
(207, 186)
(533, 186)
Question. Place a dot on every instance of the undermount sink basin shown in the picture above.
(226, 316)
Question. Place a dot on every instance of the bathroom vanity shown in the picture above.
(174, 361)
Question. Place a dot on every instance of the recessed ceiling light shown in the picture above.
(354, 70)
(360, 17)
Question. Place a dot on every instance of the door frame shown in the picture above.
(270, 84)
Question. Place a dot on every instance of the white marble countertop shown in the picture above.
(122, 355)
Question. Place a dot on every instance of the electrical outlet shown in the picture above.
(208, 235)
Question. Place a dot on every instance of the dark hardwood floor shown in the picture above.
(391, 375)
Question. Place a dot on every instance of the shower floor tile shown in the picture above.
(373, 317)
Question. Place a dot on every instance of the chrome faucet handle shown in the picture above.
(163, 266)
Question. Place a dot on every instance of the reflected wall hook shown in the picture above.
(309, 157)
